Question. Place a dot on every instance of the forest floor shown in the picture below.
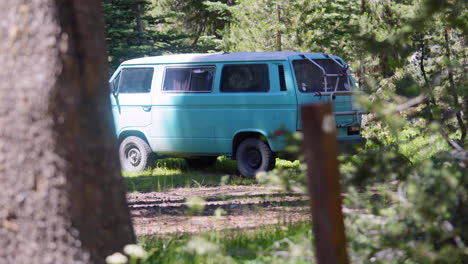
(220, 207)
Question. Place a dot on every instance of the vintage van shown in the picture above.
(242, 105)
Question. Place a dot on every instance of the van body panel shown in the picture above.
(205, 123)
(134, 130)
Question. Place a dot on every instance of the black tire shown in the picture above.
(200, 162)
(135, 154)
(254, 155)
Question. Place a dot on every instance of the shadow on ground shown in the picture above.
(172, 173)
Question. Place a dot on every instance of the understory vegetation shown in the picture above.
(405, 191)
(288, 243)
(176, 173)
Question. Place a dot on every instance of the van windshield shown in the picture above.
(310, 78)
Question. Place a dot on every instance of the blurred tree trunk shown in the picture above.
(62, 198)
(453, 89)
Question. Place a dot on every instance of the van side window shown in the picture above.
(245, 78)
(189, 79)
(282, 79)
(136, 80)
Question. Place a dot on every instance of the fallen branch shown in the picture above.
(411, 103)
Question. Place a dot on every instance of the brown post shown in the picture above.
(320, 151)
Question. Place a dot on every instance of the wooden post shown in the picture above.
(320, 151)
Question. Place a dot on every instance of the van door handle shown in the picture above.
(146, 108)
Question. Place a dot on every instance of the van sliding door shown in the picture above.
(183, 116)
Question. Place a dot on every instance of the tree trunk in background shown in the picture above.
(453, 89)
(139, 22)
(279, 45)
(62, 198)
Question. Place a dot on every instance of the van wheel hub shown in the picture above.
(254, 158)
(134, 156)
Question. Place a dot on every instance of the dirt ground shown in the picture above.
(225, 207)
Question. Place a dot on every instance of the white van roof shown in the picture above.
(220, 57)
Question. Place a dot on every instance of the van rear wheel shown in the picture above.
(253, 155)
(135, 154)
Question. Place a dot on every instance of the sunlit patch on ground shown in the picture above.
(223, 207)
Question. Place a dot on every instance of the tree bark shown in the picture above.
(201, 29)
(139, 22)
(279, 45)
(63, 198)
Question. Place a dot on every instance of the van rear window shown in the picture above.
(136, 80)
(310, 78)
(189, 79)
(245, 78)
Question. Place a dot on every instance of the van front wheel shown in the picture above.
(135, 154)
(254, 155)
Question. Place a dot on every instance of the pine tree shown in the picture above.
(303, 25)
(132, 31)
(204, 22)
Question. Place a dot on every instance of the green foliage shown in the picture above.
(202, 21)
(131, 31)
(422, 221)
(195, 205)
(256, 26)
(268, 244)
(308, 25)
(174, 173)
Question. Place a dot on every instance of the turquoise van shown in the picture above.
(242, 105)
